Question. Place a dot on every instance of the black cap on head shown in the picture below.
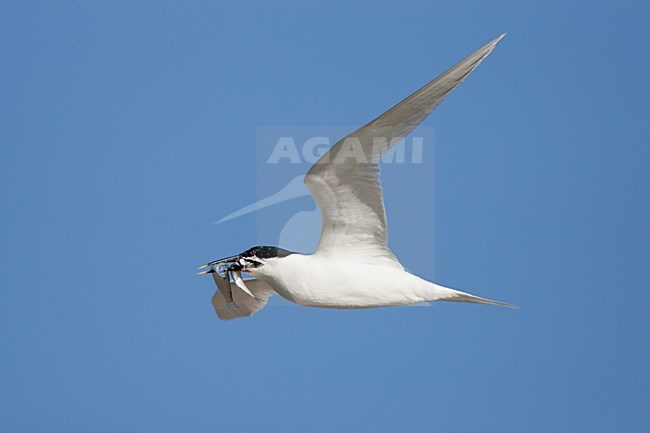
(259, 252)
(265, 252)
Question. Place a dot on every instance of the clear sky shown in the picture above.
(128, 128)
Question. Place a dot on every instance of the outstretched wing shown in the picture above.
(243, 304)
(345, 181)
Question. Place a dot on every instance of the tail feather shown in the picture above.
(451, 295)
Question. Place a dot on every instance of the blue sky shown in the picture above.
(128, 128)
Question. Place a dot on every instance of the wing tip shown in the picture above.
(505, 304)
(497, 39)
(489, 47)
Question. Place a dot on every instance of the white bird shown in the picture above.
(352, 266)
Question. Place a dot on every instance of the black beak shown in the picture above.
(232, 262)
(226, 260)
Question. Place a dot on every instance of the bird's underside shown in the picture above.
(361, 286)
(352, 266)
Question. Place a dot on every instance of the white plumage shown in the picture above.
(352, 266)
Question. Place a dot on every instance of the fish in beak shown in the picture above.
(223, 269)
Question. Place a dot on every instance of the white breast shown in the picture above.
(330, 282)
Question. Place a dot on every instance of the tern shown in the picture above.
(352, 266)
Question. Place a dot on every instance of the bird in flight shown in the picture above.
(352, 266)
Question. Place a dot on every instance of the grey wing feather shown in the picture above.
(345, 180)
(243, 304)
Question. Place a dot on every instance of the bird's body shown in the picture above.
(341, 282)
(334, 282)
(352, 266)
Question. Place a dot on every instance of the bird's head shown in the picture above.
(248, 261)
